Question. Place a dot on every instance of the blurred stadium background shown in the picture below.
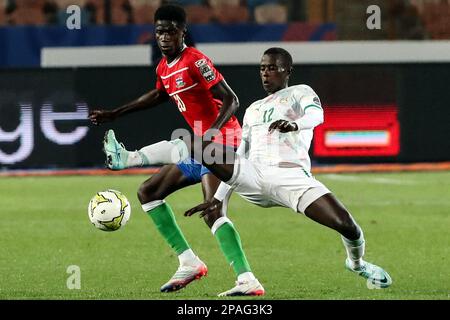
(386, 99)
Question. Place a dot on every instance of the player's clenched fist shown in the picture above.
(100, 116)
(283, 126)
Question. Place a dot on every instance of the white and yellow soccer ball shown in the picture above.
(109, 210)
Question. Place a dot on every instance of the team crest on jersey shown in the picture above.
(180, 83)
(284, 100)
(205, 70)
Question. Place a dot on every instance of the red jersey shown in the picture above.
(187, 81)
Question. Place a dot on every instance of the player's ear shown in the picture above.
(290, 70)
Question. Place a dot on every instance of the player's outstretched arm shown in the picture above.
(147, 101)
(230, 103)
(312, 118)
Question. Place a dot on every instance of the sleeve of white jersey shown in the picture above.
(311, 108)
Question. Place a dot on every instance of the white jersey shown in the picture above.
(280, 149)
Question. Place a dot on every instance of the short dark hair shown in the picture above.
(171, 12)
(287, 58)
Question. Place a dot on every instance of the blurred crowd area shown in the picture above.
(401, 19)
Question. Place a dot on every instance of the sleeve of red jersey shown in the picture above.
(205, 73)
(159, 84)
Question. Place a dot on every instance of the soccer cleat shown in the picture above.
(245, 288)
(376, 276)
(116, 154)
(184, 276)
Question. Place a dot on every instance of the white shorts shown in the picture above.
(269, 186)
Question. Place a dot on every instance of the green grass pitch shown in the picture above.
(44, 229)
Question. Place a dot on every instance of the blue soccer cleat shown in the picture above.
(116, 154)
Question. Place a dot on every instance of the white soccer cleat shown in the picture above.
(376, 276)
(116, 154)
(245, 288)
(184, 276)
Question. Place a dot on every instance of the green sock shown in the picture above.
(164, 220)
(231, 246)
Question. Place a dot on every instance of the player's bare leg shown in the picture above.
(151, 194)
(209, 187)
(225, 158)
(330, 212)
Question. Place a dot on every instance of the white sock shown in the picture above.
(163, 152)
(246, 276)
(188, 258)
(134, 159)
(355, 250)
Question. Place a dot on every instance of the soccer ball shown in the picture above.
(109, 210)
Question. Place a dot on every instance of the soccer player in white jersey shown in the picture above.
(272, 167)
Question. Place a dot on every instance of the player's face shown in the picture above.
(274, 75)
(170, 37)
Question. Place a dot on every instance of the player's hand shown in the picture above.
(101, 116)
(205, 208)
(283, 126)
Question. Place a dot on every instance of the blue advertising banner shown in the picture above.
(20, 46)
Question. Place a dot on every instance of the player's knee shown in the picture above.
(142, 195)
(147, 193)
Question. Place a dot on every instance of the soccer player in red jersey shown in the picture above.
(188, 78)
